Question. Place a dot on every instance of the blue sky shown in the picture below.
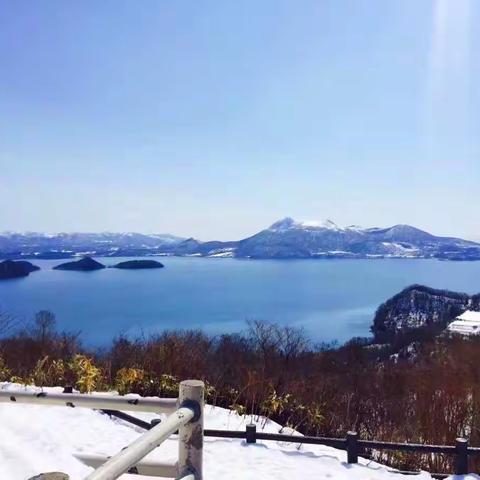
(215, 118)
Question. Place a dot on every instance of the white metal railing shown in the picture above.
(144, 467)
(126, 458)
(186, 416)
(100, 402)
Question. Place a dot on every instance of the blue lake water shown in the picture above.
(332, 299)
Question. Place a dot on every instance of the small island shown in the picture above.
(16, 269)
(138, 264)
(86, 264)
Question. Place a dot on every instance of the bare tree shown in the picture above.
(44, 330)
(8, 323)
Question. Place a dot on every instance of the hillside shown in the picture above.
(418, 306)
(43, 438)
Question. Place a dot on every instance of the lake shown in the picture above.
(331, 299)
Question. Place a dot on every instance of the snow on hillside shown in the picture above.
(289, 223)
(37, 439)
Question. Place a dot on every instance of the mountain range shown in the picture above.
(286, 238)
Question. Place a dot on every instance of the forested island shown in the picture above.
(86, 264)
(16, 269)
(138, 265)
(21, 268)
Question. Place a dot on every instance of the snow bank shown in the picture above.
(37, 439)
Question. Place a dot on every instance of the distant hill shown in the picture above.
(286, 238)
(67, 245)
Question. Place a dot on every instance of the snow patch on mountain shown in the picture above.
(289, 223)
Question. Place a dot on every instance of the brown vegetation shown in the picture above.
(276, 372)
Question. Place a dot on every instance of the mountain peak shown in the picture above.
(283, 224)
(289, 223)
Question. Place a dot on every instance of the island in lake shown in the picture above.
(16, 269)
(138, 264)
(86, 264)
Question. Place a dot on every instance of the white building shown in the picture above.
(468, 323)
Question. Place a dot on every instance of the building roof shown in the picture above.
(467, 323)
(469, 316)
(466, 328)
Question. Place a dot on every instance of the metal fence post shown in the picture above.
(352, 447)
(461, 460)
(251, 433)
(190, 435)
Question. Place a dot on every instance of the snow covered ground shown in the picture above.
(35, 439)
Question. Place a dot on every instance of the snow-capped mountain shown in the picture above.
(286, 238)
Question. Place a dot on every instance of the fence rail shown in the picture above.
(131, 455)
(351, 443)
(112, 402)
(185, 416)
(143, 467)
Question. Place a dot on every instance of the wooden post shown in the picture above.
(352, 447)
(190, 435)
(461, 461)
(251, 433)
